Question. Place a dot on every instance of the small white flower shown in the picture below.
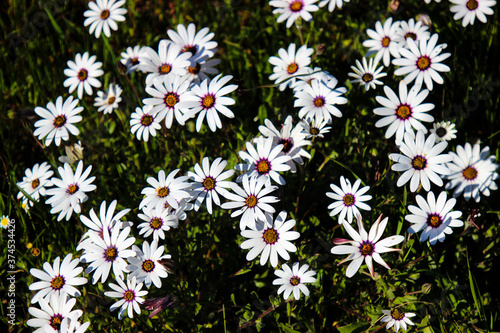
(157, 222)
(73, 153)
(291, 10)
(253, 201)
(69, 325)
(383, 41)
(4, 222)
(270, 239)
(349, 199)
(264, 162)
(208, 99)
(70, 190)
(315, 126)
(165, 190)
(366, 74)
(397, 318)
(58, 120)
(312, 75)
(103, 15)
(444, 130)
(293, 140)
(144, 122)
(52, 312)
(57, 279)
(290, 64)
(405, 112)
(146, 265)
(421, 160)
(199, 44)
(131, 57)
(34, 182)
(293, 280)
(130, 296)
(468, 10)
(434, 217)
(472, 172)
(108, 252)
(332, 4)
(108, 102)
(421, 62)
(82, 74)
(198, 70)
(209, 181)
(365, 246)
(412, 30)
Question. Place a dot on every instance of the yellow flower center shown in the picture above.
(195, 69)
(164, 69)
(397, 315)
(263, 167)
(57, 282)
(434, 220)
(385, 41)
(129, 296)
(208, 101)
(55, 321)
(294, 280)
(367, 77)
(314, 131)
(410, 35)
(403, 112)
(147, 120)
(72, 189)
(104, 14)
(163, 191)
(171, 99)
(470, 173)
(366, 248)
(270, 236)
(148, 266)
(134, 61)
(35, 183)
(59, 121)
(319, 102)
(441, 132)
(423, 63)
(111, 100)
(110, 254)
(292, 68)
(209, 183)
(296, 6)
(83, 74)
(287, 145)
(156, 223)
(251, 201)
(189, 48)
(419, 162)
(348, 200)
(472, 4)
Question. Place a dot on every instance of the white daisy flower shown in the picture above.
(144, 122)
(168, 61)
(397, 318)
(208, 181)
(108, 252)
(332, 4)
(291, 10)
(289, 65)
(108, 102)
(264, 162)
(131, 57)
(444, 130)
(61, 278)
(293, 140)
(365, 246)
(270, 239)
(52, 312)
(421, 160)
(312, 75)
(130, 296)
(157, 222)
(472, 172)
(103, 15)
(34, 182)
(422, 62)
(165, 190)
(208, 99)
(199, 44)
(82, 74)
(383, 41)
(315, 126)
(107, 219)
(293, 280)
(70, 190)
(468, 10)
(146, 265)
(198, 70)
(319, 99)
(434, 217)
(252, 201)
(69, 325)
(74, 153)
(166, 93)
(410, 29)
(366, 74)
(348, 199)
(405, 112)
(4, 221)
(58, 120)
